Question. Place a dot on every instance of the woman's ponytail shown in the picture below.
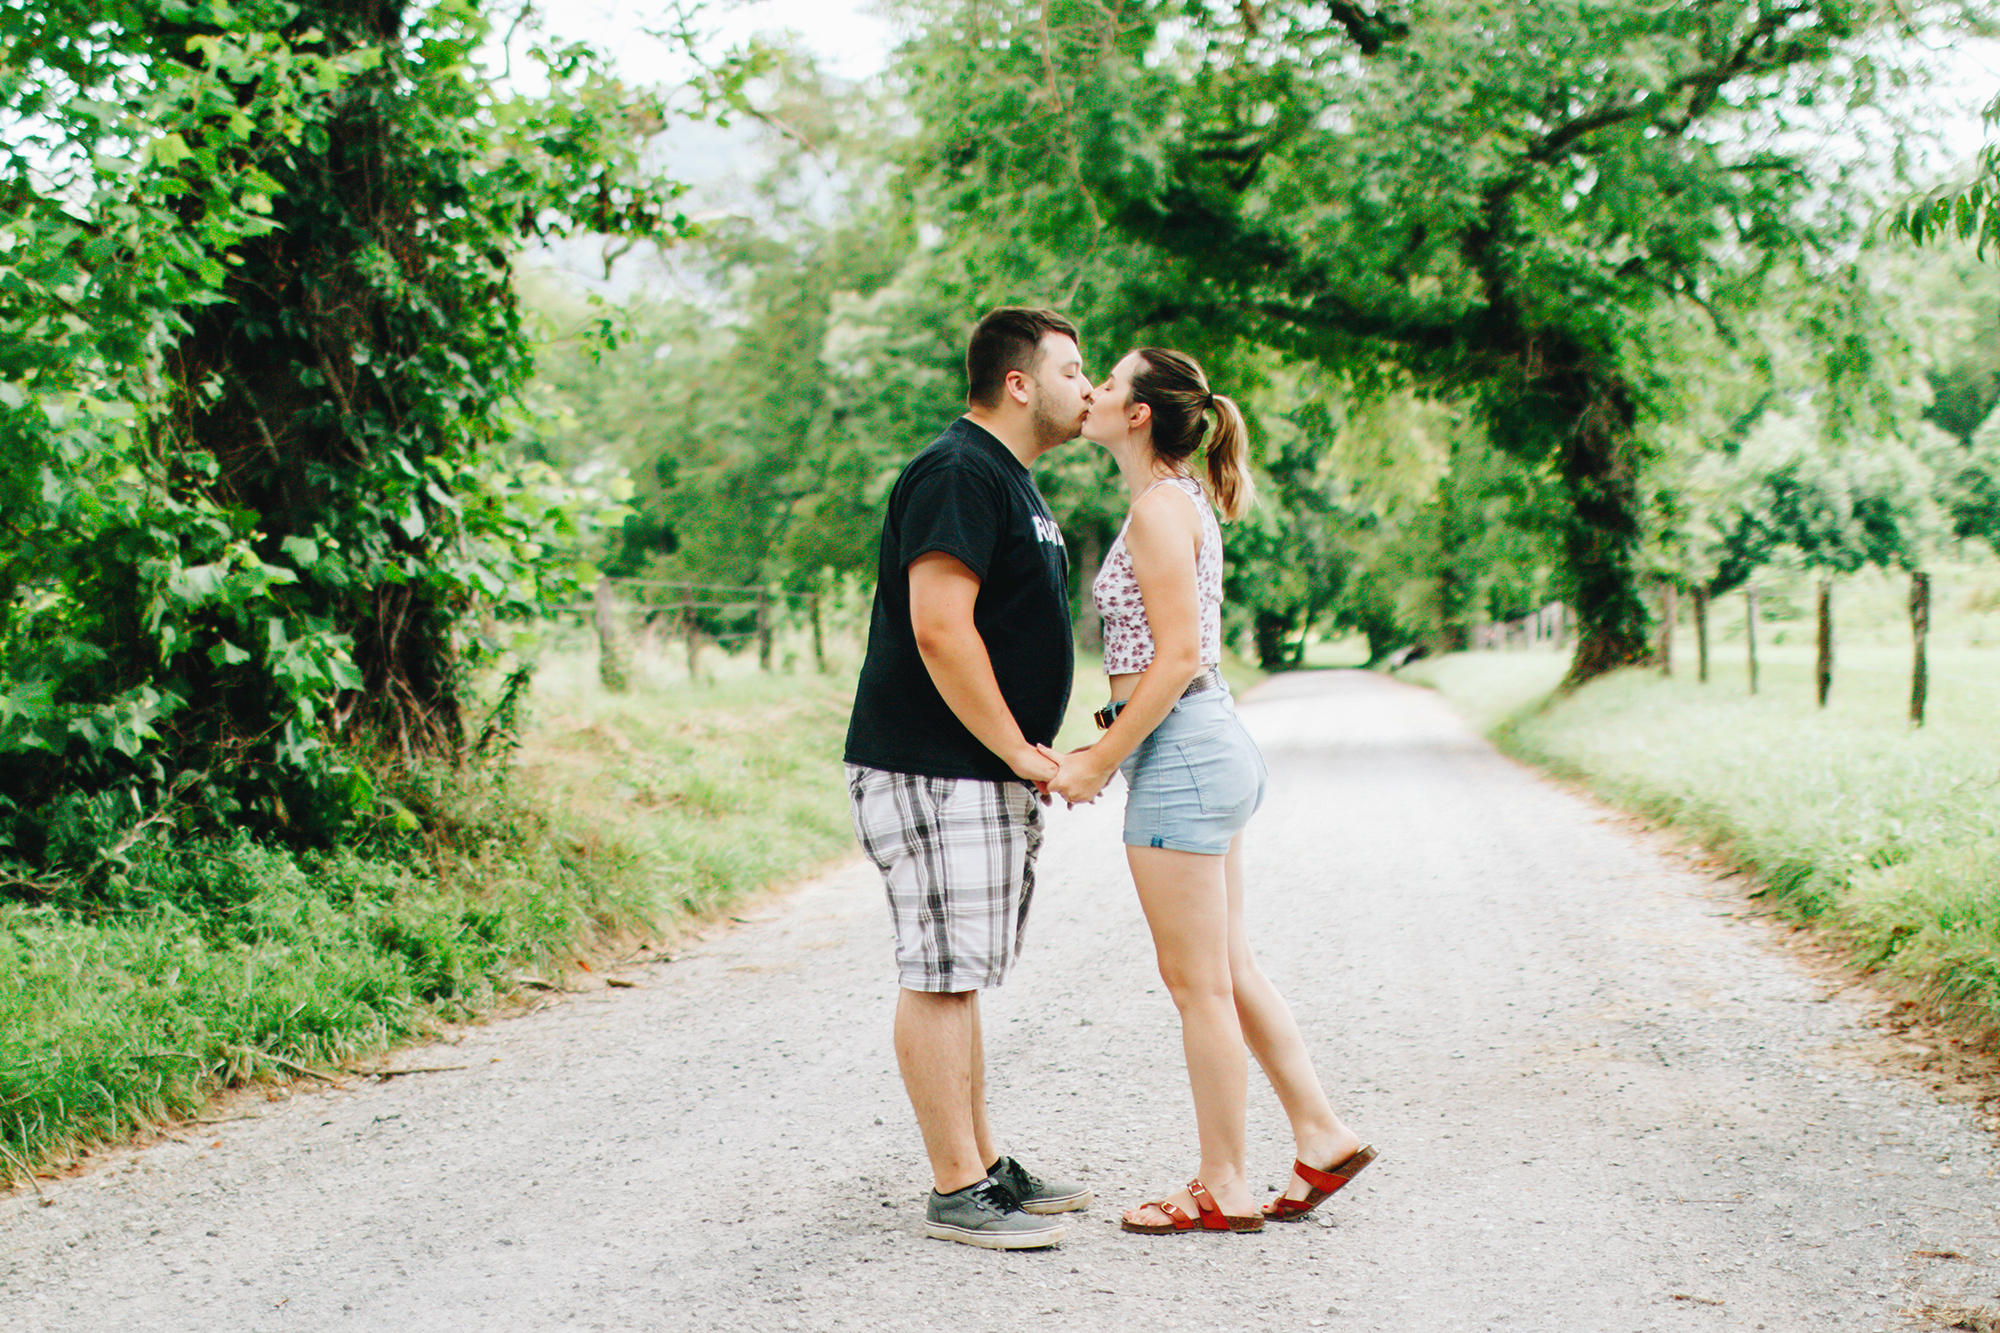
(1173, 385)
(1229, 477)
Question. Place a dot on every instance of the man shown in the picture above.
(964, 684)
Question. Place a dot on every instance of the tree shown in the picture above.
(1967, 479)
(1968, 208)
(1786, 488)
(260, 337)
(1492, 200)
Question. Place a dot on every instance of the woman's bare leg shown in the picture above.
(1185, 898)
(1273, 1037)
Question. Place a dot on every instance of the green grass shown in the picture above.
(719, 789)
(223, 964)
(621, 815)
(237, 961)
(1883, 836)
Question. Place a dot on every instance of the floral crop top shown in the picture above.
(1128, 639)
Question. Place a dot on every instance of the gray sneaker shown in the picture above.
(983, 1214)
(1032, 1194)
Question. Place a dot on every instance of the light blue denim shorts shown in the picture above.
(1194, 783)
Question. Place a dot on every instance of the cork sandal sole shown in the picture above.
(1323, 1185)
(1208, 1216)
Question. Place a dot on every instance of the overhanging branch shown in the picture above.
(1370, 29)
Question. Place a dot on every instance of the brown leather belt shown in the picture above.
(1208, 678)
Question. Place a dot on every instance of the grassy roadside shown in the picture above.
(1883, 837)
(621, 816)
(221, 965)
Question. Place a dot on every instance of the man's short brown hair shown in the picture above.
(1008, 339)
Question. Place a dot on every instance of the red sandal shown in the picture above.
(1324, 1185)
(1210, 1216)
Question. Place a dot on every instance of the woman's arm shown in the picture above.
(1163, 539)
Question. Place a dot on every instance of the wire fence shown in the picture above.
(1546, 626)
(626, 613)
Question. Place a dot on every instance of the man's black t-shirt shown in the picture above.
(970, 498)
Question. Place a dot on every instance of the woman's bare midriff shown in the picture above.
(1123, 684)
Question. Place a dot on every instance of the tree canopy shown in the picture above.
(1501, 203)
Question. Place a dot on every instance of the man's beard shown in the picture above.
(1050, 429)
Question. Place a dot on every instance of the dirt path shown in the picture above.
(1603, 1102)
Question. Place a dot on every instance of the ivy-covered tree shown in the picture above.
(257, 339)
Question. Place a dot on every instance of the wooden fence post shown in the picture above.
(1920, 629)
(692, 629)
(1750, 632)
(614, 650)
(1823, 670)
(763, 630)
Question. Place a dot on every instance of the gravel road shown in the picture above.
(1604, 1098)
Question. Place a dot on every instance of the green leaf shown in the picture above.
(169, 150)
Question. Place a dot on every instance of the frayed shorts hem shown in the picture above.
(1181, 845)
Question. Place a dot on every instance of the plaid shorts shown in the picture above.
(957, 856)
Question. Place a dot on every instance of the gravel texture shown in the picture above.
(1604, 1098)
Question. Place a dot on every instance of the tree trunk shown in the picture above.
(1089, 625)
(1455, 582)
(1669, 613)
(1823, 671)
(819, 636)
(307, 416)
(1598, 465)
(1920, 630)
(1269, 629)
(1750, 632)
(1701, 632)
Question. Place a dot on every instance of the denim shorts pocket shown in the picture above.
(1223, 769)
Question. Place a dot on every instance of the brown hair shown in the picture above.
(1008, 339)
(1173, 386)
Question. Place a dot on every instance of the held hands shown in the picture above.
(1079, 777)
(1037, 764)
(1076, 776)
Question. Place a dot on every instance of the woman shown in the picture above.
(1195, 777)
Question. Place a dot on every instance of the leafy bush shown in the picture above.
(258, 342)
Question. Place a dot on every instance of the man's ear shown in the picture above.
(1019, 387)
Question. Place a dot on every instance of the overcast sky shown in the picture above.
(852, 41)
(845, 34)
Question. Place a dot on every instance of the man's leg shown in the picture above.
(937, 1049)
(982, 1133)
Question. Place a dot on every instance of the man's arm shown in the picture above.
(942, 592)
